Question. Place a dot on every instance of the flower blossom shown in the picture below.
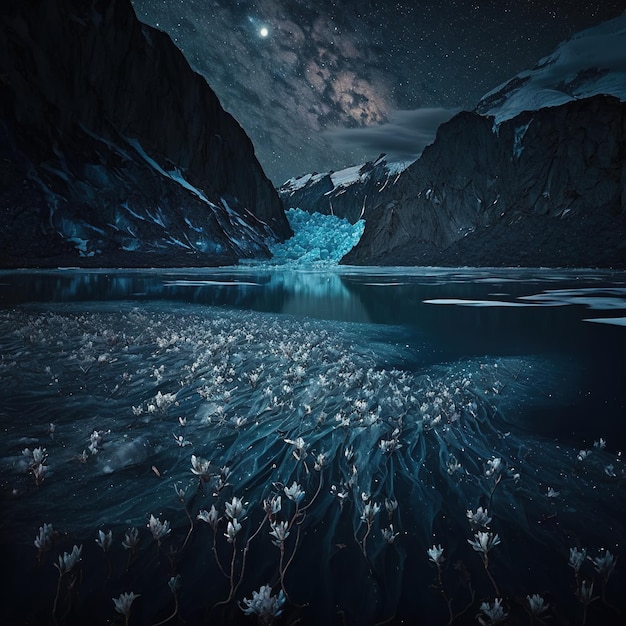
(280, 532)
(294, 493)
(435, 554)
(484, 541)
(124, 602)
(264, 604)
(158, 528)
(67, 562)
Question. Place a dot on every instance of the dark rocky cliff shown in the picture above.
(113, 151)
(546, 188)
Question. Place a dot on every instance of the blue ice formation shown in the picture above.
(318, 241)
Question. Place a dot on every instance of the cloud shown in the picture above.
(401, 138)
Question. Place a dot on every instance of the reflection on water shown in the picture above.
(351, 420)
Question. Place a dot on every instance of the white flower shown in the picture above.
(231, 530)
(200, 466)
(210, 517)
(68, 561)
(181, 441)
(39, 455)
(609, 470)
(435, 554)
(158, 528)
(342, 494)
(389, 445)
(369, 512)
(131, 539)
(273, 505)
(264, 604)
(104, 540)
(537, 604)
(238, 421)
(320, 460)
(234, 508)
(180, 492)
(604, 564)
(600, 444)
(583, 454)
(391, 505)
(294, 493)
(492, 613)
(174, 583)
(299, 447)
(577, 558)
(280, 532)
(452, 465)
(495, 466)
(124, 602)
(552, 493)
(484, 541)
(44, 539)
(388, 535)
(479, 520)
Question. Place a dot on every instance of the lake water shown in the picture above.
(380, 405)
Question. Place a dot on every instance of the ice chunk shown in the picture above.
(318, 240)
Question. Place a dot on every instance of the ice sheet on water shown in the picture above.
(615, 321)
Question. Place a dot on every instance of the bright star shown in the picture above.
(264, 32)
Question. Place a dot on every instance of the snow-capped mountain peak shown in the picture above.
(592, 62)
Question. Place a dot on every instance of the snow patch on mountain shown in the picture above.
(345, 177)
(592, 62)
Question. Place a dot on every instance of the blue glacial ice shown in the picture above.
(318, 240)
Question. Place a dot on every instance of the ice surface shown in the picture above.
(479, 303)
(615, 321)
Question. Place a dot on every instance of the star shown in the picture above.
(264, 31)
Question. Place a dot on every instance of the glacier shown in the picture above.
(319, 241)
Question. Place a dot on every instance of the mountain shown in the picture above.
(535, 176)
(114, 152)
(591, 63)
(545, 188)
(343, 193)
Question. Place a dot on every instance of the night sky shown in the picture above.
(331, 83)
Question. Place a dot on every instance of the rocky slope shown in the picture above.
(114, 152)
(545, 188)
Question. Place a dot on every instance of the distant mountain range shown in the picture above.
(114, 152)
(536, 175)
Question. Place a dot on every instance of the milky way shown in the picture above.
(323, 85)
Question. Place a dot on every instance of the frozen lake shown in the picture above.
(316, 432)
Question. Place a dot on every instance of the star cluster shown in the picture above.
(323, 85)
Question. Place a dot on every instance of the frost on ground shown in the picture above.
(256, 449)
